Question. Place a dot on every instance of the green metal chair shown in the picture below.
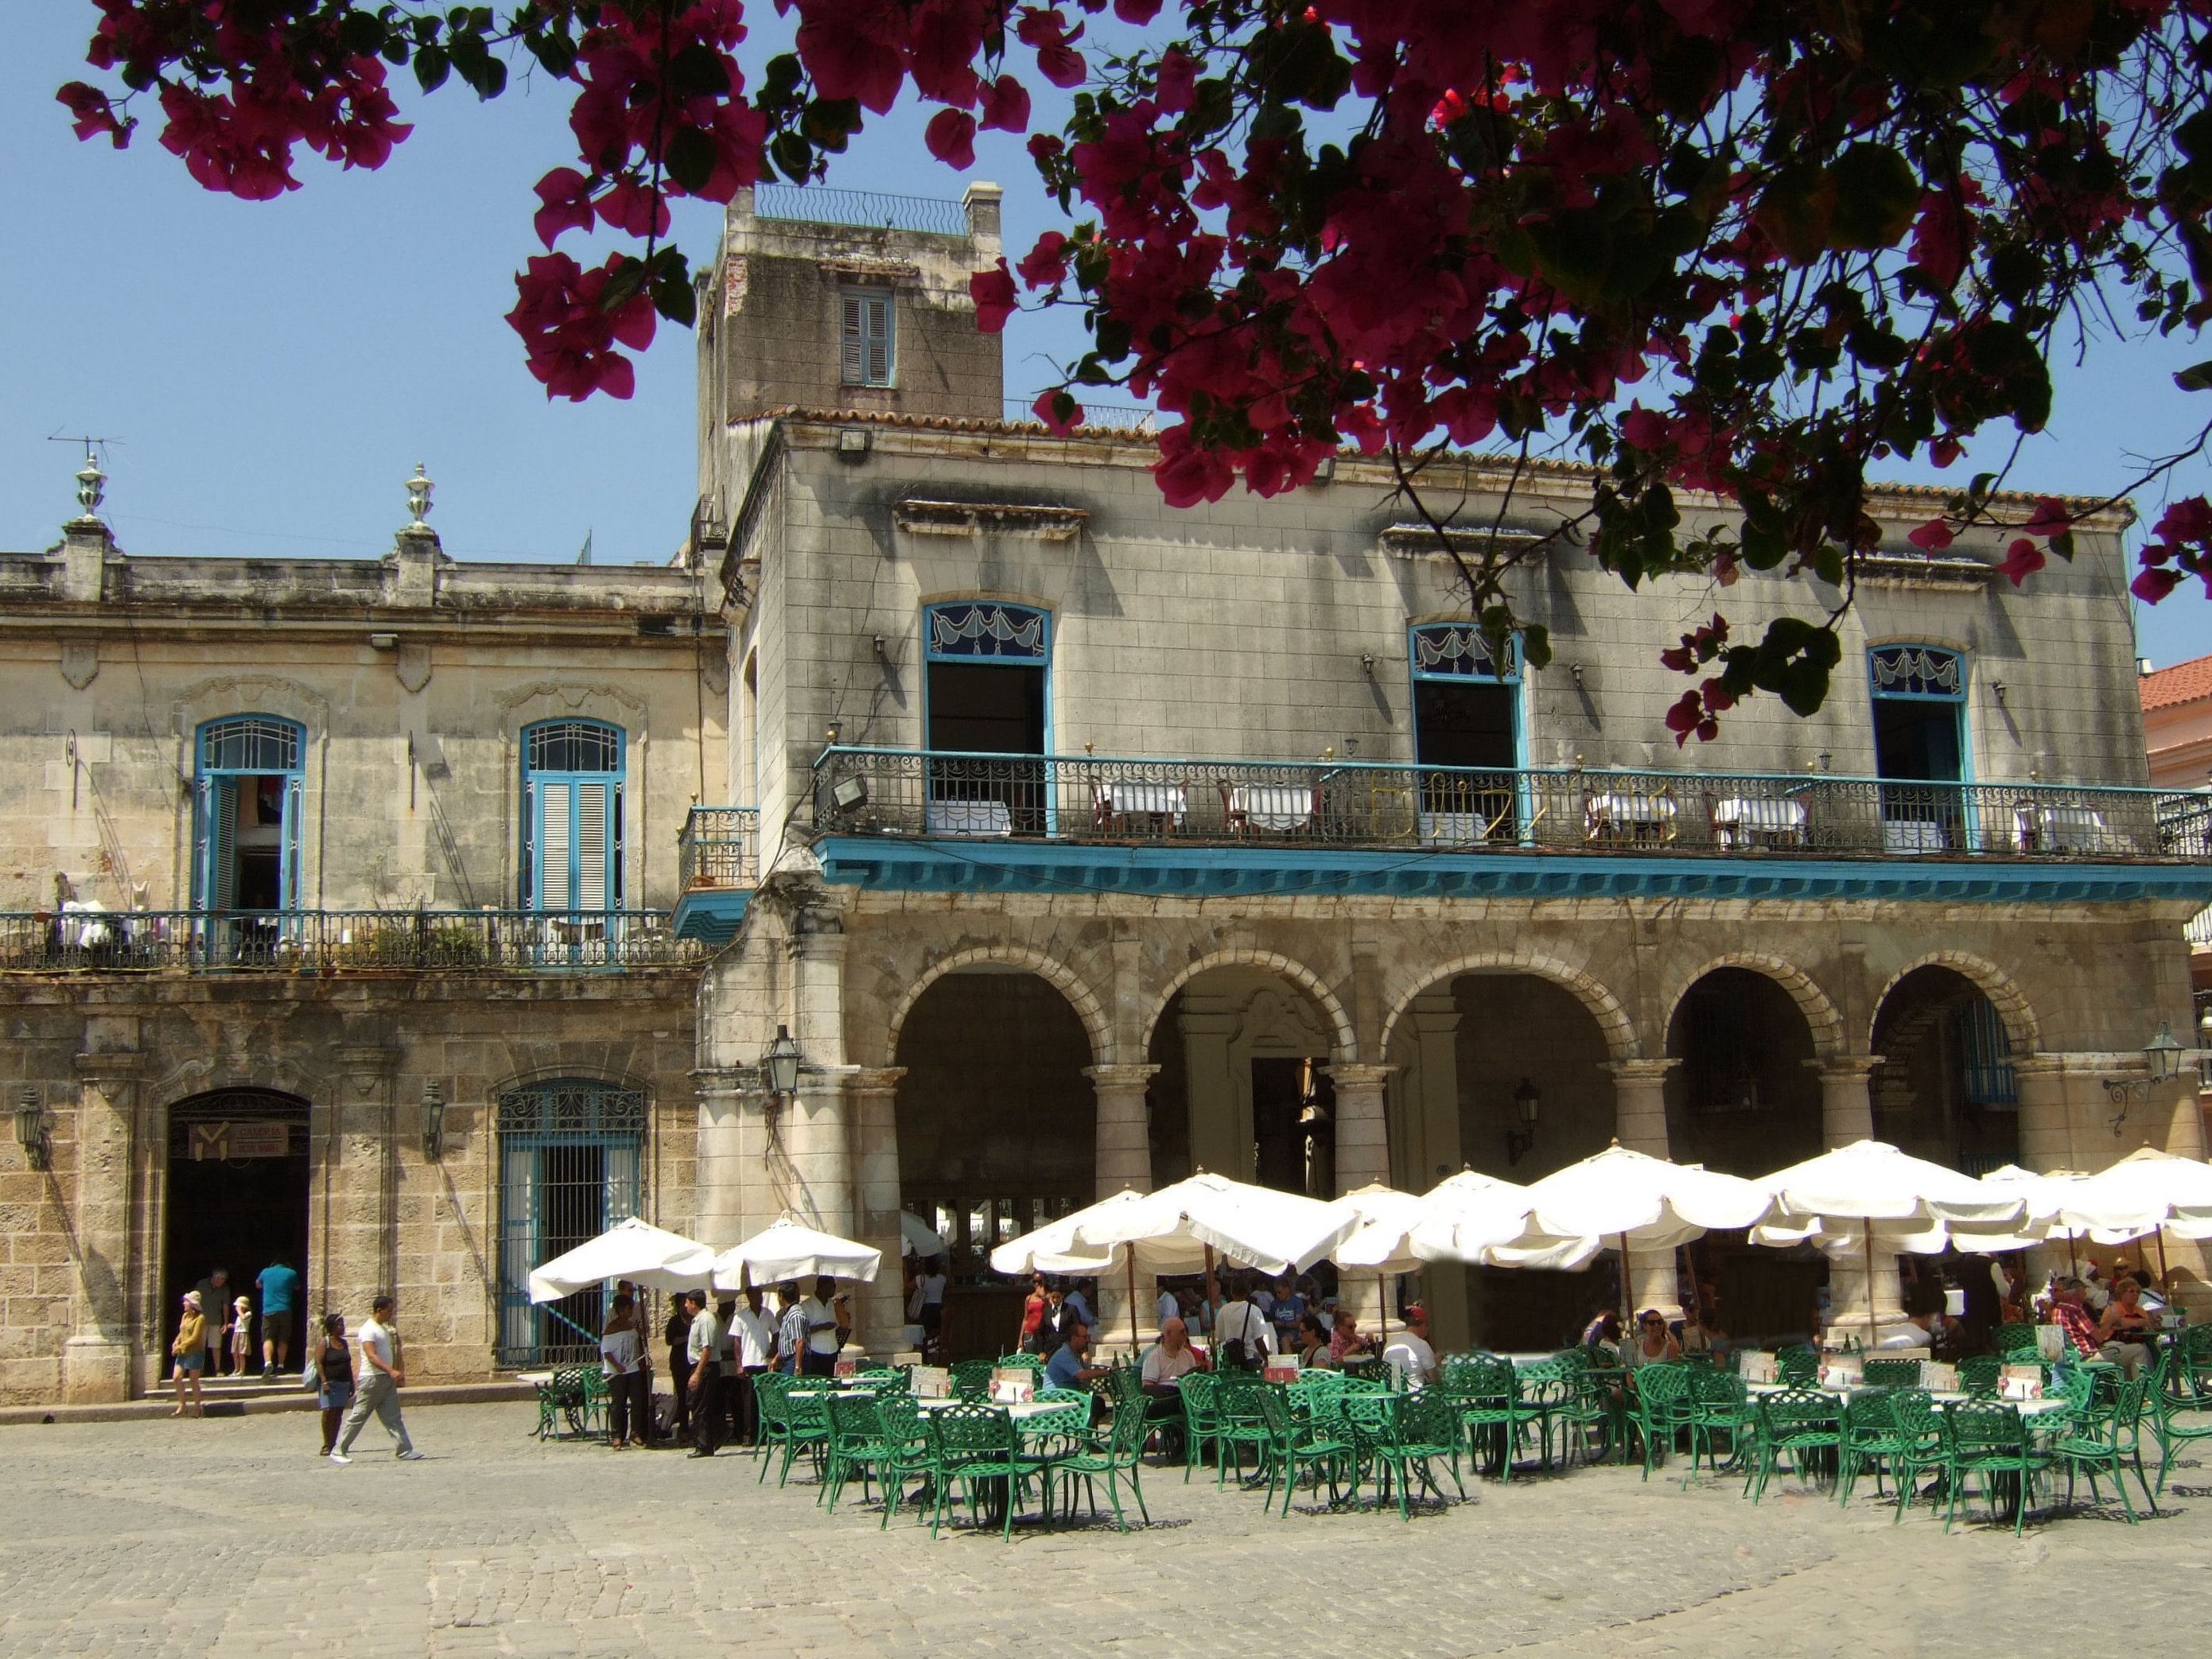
(1987, 1438)
(1918, 1443)
(1202, 1420)
(1797, 1365)
(1481, 1389)
(971, 1378)
(906, 1453)
(796, 1425)
(1871, 1439)
(1238, 1422)
(855, 1446)
(971, 1445)
(1794, 1425)
(1892, 1373)
(1660, 1401)
(1117, 1457)
(2181, 1416)
(1299, 1438)
(1418, 1429)
(1718, 1406)
(2014, 1341)
(1979, 1374)
(1543, 1398)
(2106, 1440)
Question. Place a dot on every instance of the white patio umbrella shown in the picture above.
(1868, 1183)
(633, 1250)
(1639, 1200)
(1052, 1248)
(786, 1249)
(2047, 1194)
(2147, 1193)
(917, 1237)
(1484, 1222)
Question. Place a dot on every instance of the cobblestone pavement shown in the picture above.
(231, 1537)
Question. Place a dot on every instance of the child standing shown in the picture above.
(241, 1350)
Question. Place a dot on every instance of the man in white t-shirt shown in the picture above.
(1169, 1307)
(1242, 1322)
(1408, 1349)
(1170, 1359)
(754, 1328)
(825, 1335)
(379, 1377)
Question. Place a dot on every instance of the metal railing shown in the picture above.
(1086, 797)
(84, 940)
(2199, 928)
(719, 847)
(821, 205)
(1116, 417)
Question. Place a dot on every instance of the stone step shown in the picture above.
(289, 1397)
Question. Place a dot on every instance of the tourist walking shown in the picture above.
(188, 1354)
(333, 1363)
(622, 1359)
(279, 1285)
(704, 1356)
(378, 1389)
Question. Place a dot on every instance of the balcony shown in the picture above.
(85, 938)
(975, 820)
(719, 847)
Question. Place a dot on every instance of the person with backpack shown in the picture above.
(1243, 1335)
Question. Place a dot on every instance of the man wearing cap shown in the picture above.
(1409, 1352)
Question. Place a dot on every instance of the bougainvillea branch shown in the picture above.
(1733, 251)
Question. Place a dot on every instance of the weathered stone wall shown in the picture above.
(414, 686)
(82, 1309)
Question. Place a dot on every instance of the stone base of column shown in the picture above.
(1654, 1284)
(879, 1308)
(95, 1370)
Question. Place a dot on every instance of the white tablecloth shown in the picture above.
(1154, 800)
(1276, 806)
(968, 817)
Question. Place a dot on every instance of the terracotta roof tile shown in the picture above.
(2185, 682)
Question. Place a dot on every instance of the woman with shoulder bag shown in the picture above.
(329, 1364)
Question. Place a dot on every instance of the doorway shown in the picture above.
(1466, 726)
(1919, 748)
(987, 708)
(1293, 1143)
(237, 1197)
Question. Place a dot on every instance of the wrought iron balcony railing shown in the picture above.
(1086, 797)
(88, 939)
(720, 846)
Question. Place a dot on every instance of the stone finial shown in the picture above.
(91, 484)
(418, 500)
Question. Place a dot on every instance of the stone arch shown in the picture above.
(2013, 1006)
(1614, 1019)
(1345, 1039)
(1089, 1006)
(1821, 1015)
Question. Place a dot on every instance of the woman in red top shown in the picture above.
(1033, 1313)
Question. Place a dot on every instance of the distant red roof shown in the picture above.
(2185, 682)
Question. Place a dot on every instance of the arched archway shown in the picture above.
(2023, 1029)
(1088, 1006)
(997, 1127)
(1944, 1090)
(1745, 1098)
(1614, 1023)
(1817, 1010)
(237, 1193)
(1242, 1043)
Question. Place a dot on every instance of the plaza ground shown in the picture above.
(233, 1537)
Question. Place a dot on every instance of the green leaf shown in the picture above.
(699, 71)
(1876, 194)
(689, 159)
(674, 297)
(1795, 212)
(1536, 644)
(793, 155)
(431, 64)
(2197, 377)
(623, 283)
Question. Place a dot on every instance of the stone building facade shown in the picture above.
(1078, 842)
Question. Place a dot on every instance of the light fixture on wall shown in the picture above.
(31, 1130)
(434, 1122)
(2161, 1061)
(1367, 664)
(1997, 690)
(1528, 1105)
(780, 1064)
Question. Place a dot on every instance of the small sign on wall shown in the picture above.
(222, 1142)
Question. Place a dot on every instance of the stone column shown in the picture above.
(1639, 1123)
(98, 1364)
(811, 1140)
(1220, 1123)
(1425, 1147)
(728, 1108)
(1124, 1154)
(1363, 1158)
(356, 1185)
(1847, 1116)
(878, 1198)
(1123, 1162)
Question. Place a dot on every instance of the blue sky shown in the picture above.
(274, 370)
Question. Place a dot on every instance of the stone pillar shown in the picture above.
(878, 1198)
(1639, 1123)
(1220, 1121)
(1846, 1116)
(98, 1364)
(811, 1140)
(1123, 1162)
(729, 1106)
(1425, 1147)
(1124, 1154)
(353, 1244)
(1363, 1158)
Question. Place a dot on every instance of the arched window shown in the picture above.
(246, 814)
(570, 1153)
(572, 817)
